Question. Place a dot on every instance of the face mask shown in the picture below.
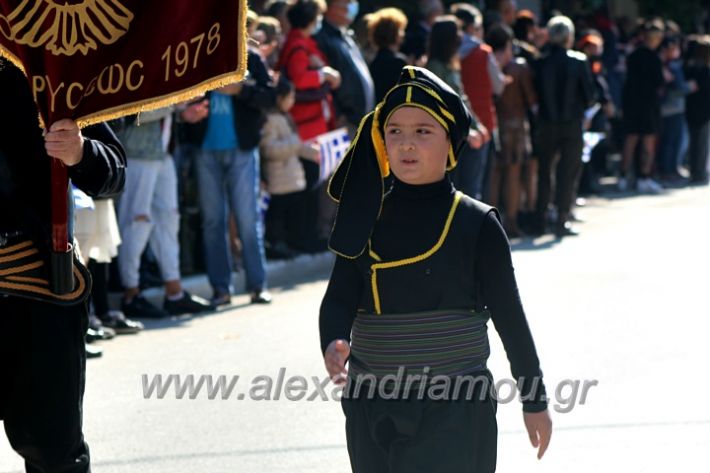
(353, 10)
(319, 25)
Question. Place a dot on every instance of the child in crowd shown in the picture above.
(673, 124)
(281, 148)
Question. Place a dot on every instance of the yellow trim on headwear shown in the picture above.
(414, 259)
(429, 91)
(411, 71)
(379, 143)
(429, 110)
(432, 93)
(447, 114)
(409, 94)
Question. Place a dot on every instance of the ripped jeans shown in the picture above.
(148, 214)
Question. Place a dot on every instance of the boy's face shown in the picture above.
(417, 146)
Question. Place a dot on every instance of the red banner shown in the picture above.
(94, 60)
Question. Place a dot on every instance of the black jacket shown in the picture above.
(256, 97)
(343, 55)
(25, 166)
(564, 85)
(697, 105)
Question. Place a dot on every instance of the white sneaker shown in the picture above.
(649, 186)
(622, 184)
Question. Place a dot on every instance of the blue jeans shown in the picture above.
(671, 142)
(230, 180)
(469, 174)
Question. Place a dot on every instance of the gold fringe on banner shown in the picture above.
(167, 99)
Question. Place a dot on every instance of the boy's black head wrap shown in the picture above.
(358, 182)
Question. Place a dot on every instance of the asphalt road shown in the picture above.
(624, 307)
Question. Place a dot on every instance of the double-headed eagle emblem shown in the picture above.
(66, 28)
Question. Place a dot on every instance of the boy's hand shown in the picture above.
(335, 357)
(539, 426)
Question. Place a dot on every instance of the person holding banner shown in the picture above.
(42, 354)
(419, 272)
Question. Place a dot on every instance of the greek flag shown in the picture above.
(333, 146)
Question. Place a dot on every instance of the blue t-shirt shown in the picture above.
(220, 134)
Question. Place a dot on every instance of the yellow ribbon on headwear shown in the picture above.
(379, 143)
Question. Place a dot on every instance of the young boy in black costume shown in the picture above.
(419, 272)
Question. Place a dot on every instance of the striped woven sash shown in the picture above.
(449, 343)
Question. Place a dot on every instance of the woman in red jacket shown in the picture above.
(305, 66)
(313, 113)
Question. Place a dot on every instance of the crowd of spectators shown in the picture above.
(563, 108)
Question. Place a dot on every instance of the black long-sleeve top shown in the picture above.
(25, 167)
(411, 222)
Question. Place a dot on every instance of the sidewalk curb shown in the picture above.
(278, 273)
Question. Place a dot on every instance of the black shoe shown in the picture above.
(261, 297)
(93, 352)
(565, 230)
(188, 304)
(93, 336)
(511, 229)
(140, 308)
(526, 221)
(117, 321)
(221, 298)
(537, 226)
(98, 331)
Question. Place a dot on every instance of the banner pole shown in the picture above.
(61, 262)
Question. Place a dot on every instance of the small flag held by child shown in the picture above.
(333, 146)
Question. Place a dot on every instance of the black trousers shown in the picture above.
(559, 146)
(42, 375)
(699, 152)
(308, 228)
(284, 219)
(99, 286)
(427, 436)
